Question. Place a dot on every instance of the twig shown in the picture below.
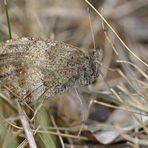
(26, 127)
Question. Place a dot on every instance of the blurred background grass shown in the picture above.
(121, 85)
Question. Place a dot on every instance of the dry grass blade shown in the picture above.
(136, 67)
(116, 33)
(26, 127)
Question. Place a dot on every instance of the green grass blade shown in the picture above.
(5, 134)
(46, 138)
(8, 19)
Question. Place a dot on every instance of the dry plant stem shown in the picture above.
(135, 66)
(127, 68)
(116, 33)
(87, 40)
(109, 53)
(130, 82)
(23, 144)
(82, 105)
(58, 131)
(75, 128)
(54, 133)
(108, 39)
(116, 107)
(135, 140)
(36, 111)
(26, 127)
(92, 32)
(64, 135)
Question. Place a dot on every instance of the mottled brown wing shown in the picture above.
(31, 66)
(64, 68)
(69, 67)
(13, 68)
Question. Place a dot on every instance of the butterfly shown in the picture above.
(32, 67)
